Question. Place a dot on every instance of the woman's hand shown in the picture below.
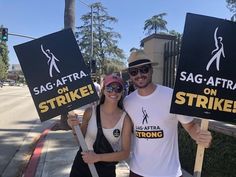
(90, 157)
(72, 119)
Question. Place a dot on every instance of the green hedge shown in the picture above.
(219, 159)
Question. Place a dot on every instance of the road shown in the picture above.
(17, 117)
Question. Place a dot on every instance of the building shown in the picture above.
(153, 46)
(15, 67)
(15, 73)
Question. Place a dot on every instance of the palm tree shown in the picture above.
(69, 22)
(155, 23)
(69, 14)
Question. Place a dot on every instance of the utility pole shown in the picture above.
(91, 31)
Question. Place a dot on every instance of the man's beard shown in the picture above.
(149, 80)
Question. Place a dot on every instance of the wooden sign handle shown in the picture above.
(85, 148)
(200, 152)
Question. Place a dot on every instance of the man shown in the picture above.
(155, 145)
(98, 90)
(97, 86)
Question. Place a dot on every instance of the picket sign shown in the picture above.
(200, 152)
(85, 148)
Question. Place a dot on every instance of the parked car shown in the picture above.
(5, 83)
(12, 83)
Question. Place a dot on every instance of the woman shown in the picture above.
(116, 126)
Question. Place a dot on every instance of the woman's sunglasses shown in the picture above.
(114, 87)
(143, 70)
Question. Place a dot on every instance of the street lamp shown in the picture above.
(91, 52)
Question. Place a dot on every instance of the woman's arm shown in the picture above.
(86, 117)
(91, 157)
(73, 121)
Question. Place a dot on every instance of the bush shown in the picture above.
(219, 159)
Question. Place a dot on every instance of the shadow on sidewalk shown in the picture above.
(58, 154)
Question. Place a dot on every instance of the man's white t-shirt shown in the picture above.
(97, 87)
(155, 146)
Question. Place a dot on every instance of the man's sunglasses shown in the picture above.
(143, 70)
(114, 87)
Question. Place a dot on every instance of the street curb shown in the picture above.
(21, 158)
(34, 160)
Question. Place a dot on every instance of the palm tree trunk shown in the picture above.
(69, 22)
(69, 14)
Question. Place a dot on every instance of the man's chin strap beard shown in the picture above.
(150, 81)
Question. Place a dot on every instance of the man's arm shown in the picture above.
(202, 137)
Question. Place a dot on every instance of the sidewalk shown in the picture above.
(54, 155)
(21, 157)
(58, 154)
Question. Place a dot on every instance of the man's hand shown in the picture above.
(202, 137)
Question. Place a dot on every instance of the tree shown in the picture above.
(155, 23)
(4, 60)
(178, 38)
(175, 33)
(69, 22)
(69, 14)
(133, 49)
(114, 66)
(231, 4)
(105, 40)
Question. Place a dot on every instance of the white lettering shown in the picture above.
(59, 82)
(191, 77)
(42, 88)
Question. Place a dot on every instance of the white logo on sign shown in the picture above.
(217, 52)
(51, 60)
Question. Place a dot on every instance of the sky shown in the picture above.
(42, 17)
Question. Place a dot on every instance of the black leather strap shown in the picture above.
(98, 118)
